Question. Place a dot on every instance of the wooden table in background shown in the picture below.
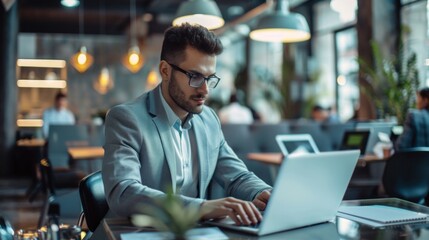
(277, 158)
(86, 153)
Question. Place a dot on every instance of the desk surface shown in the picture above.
(339, 229)
(277, 158)
(87, 152)
(31, 143)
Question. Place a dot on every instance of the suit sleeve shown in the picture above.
(232, 174)
(406, 140)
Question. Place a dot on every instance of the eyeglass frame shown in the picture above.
(192, 75)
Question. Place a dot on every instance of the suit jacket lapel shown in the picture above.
(201, 140)
(160, 119)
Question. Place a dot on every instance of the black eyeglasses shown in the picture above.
(197, 80)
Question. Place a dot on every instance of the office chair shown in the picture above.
(406, 174)
(94, 204)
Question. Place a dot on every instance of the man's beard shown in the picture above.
(178, 96)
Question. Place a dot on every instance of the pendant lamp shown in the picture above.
(133, 60)
(81, 60)
(104, 81)
(281, 26)
(203, 12)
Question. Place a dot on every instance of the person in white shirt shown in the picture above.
(58, 114)
(234, 112)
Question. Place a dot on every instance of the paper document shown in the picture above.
(209, 233)
(383, 215)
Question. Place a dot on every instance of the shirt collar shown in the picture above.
(173, 119)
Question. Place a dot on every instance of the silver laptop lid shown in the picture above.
(308, 190)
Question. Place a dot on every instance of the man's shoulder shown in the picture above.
(131, 104)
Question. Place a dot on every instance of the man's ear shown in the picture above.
(164, 70)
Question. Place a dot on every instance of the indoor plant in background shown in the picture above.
(392, 82)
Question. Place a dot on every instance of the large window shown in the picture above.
(414, 17)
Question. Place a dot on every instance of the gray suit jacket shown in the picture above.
(139, 162)
(416, 130)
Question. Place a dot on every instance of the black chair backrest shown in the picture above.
(406, 174)
(94, 204)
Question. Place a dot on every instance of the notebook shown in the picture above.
(355, 139)
(308, 190)
(383, 215)
(296, 144)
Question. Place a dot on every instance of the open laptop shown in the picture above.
(296, 144)
(355, 139)
(308, 190)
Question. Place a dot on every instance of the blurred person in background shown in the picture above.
(58, 114)
(235, 112)
(416, 125)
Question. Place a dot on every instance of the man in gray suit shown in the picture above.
(416, 125)
(168, 138)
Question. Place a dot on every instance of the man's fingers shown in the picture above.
(259, 204)
(241, 212)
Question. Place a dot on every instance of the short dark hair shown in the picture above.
(424, 92)
(60, 95)
(177, 38)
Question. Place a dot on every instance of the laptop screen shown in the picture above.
(296, 144)
(297, 147)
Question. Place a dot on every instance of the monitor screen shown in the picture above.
(355, 140)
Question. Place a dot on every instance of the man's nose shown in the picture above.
(203, 89)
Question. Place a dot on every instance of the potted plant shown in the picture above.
(392, 82)
(169, 216)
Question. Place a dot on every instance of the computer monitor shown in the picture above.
(355, 139)
(296, 144)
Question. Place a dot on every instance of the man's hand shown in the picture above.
(242, 212)
(261, 200)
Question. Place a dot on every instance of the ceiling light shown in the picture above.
(81, 60)
(70, 3)
(281, 26)
(152, 79)
(104, 82)
(203, 12)
(134, 60)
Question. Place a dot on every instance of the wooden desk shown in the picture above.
(277, 158)
(340, 228)
(86, 153)
(31, 143)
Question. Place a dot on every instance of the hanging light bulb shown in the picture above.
(152, 79)
(81, 60)
(134, 60)
(104, 82)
